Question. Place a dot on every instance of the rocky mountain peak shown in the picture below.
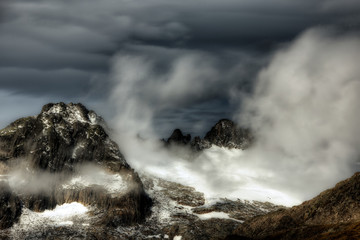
(70, 113)
(64, 155)
(59, 137)
(178, 137)
(225, 133)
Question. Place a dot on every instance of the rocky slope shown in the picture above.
(225, 133)
(180, 212)
(53, 158)
(334, 214)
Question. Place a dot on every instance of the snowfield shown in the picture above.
(68, 214)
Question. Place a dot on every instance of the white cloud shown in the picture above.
(305, 110)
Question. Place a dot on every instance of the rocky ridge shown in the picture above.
(225, 133)
(334, 214)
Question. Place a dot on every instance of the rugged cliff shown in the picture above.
(64, 155)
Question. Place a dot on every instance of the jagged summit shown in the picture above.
(177, 137)
(59, 137)
(64, 155)
(225, 133)
(71, 113)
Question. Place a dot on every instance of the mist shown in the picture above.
(304, 112)
(157, 84)
(302, 108)
(25, 180)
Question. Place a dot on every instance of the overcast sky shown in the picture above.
(197, 53)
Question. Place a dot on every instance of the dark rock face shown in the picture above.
(198, 144)
(10, 206)
(224, 133)
(54, 144)
(177, 137)
(336, 208)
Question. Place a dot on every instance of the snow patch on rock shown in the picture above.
(71, 113)
(221, 215)
(67, 214)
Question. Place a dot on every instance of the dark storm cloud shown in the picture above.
(75, 81)
(42, 37)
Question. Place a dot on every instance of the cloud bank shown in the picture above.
(303, 110)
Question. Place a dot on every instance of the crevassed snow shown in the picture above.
(113, 183)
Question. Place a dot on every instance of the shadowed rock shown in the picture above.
(177, 137)
(10, 206)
